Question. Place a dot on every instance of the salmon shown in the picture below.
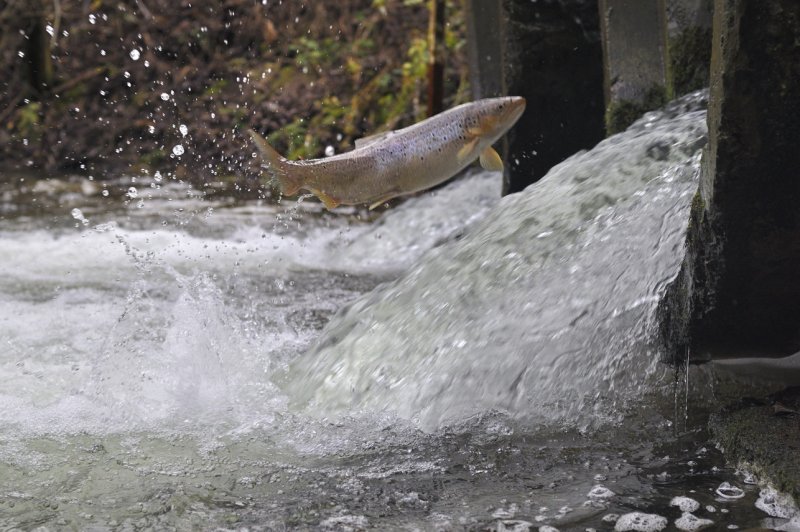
(403, 161)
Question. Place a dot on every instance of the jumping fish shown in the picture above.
(400, 162)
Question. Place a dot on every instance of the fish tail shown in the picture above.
(278, 166)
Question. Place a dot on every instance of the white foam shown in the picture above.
(777, 504)
(689, 522)
(345, 522)
(640, 522)
(685, 504)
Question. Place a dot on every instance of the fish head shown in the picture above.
(497, 115)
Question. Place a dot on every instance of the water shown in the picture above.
(458, 362)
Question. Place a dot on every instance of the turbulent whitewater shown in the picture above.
(169, 360)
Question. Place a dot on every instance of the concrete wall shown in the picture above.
(738, 292)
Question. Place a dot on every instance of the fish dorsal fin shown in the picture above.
(490, 160)
(372, 139)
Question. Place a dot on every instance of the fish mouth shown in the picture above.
(516, 107)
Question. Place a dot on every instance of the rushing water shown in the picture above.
(458, 362)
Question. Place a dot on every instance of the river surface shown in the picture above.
(458, 362)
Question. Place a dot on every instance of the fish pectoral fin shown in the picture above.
(490, 160)
(486, 125)
(329, 202)
(466, 150)
(383, 199)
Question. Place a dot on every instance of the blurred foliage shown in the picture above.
(126, 75)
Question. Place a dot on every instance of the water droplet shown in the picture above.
(105, 193)
(329, 151)
(178, 149)
(92, 18)
(164, 96)
(157, 176)
(135, 54)
(151, 129)
(102, 52)
(78, 215)
(21, 53)
(50, 31)
(183, 129)
(132, 192)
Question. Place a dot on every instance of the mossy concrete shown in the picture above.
(763, 437)
(738, 292)
(634, 36)
(689, 60)
(688, 45)
(621, 113)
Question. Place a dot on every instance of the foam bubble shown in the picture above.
(727, 490)
(600, 492)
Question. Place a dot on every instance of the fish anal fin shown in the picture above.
(290, 189)
(466, 150)
(329, 202)
(382, 199)
(490, 160)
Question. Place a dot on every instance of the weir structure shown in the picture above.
(588, 65)
(586, 68)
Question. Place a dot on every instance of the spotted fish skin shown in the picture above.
(403, 161)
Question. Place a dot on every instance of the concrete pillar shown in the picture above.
(486, 47)
(634, 59)
(689, 44)
(738, 291)
(549, 52)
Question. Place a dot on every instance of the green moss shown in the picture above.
(696, 214)
(29, 120)
(689, 60)
(766, 444)
(620, 114)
